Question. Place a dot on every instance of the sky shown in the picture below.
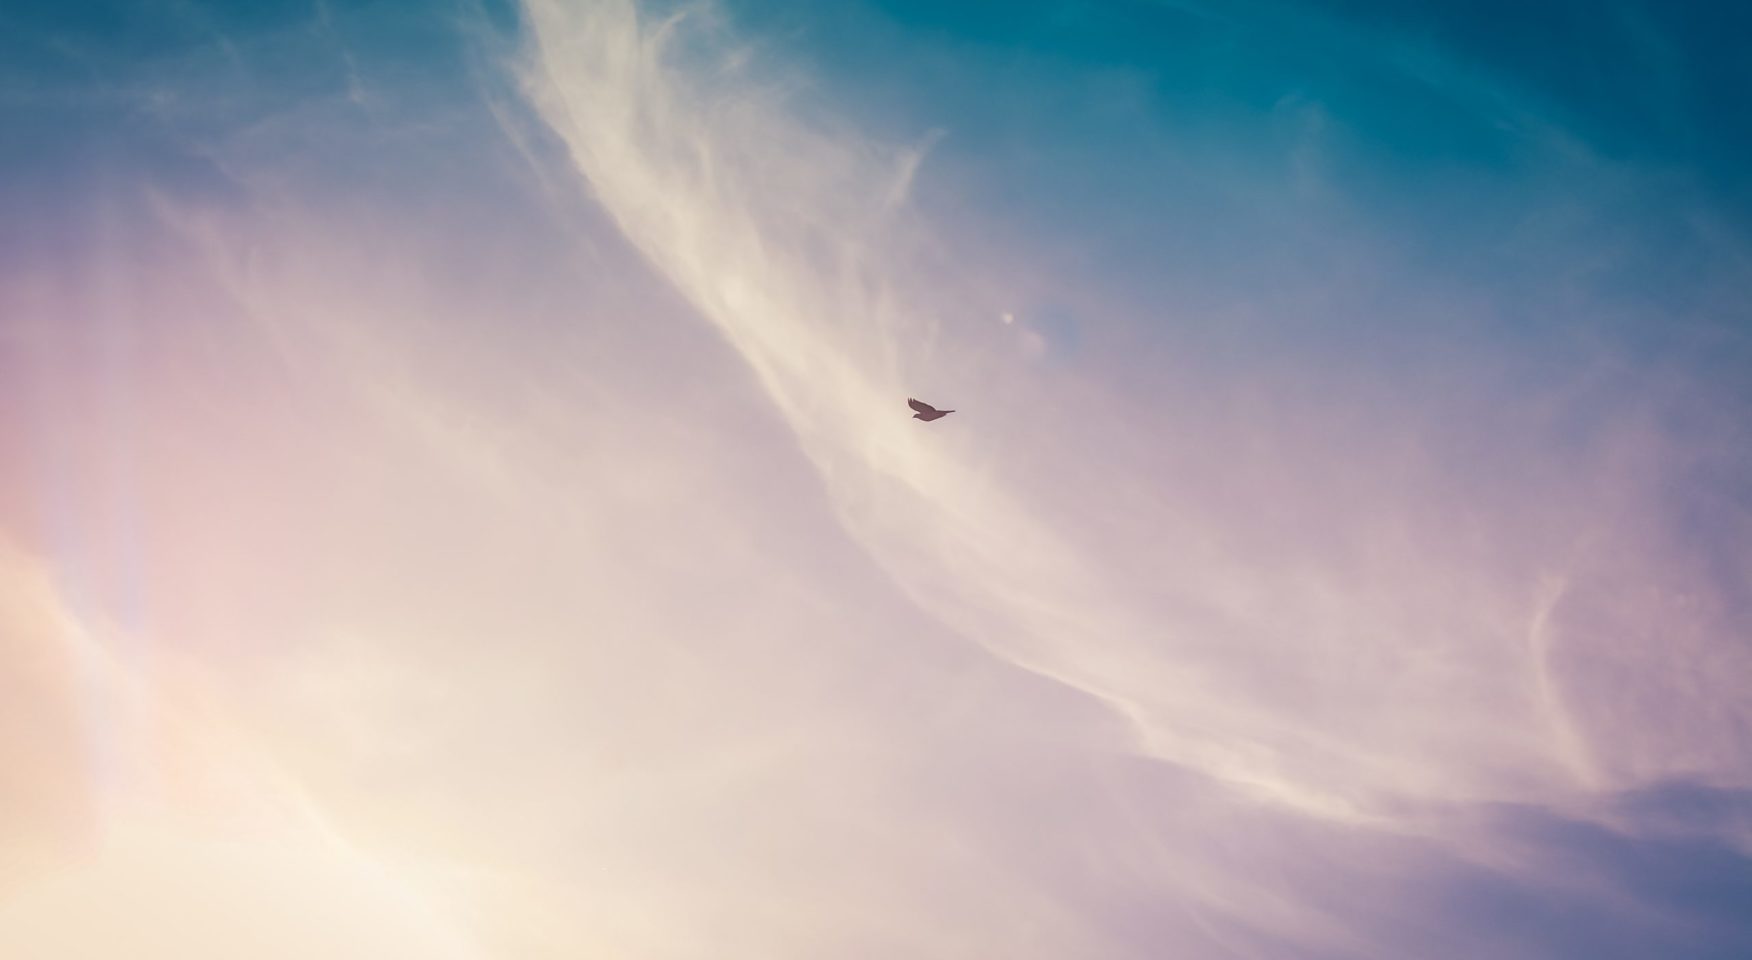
(457, 496)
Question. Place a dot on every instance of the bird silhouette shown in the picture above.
(926, 412)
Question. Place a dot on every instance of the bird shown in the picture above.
(926, 412)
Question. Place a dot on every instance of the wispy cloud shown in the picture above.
(765, 222)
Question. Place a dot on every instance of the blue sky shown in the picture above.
(457, 495)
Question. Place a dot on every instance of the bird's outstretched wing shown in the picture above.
(920, 406)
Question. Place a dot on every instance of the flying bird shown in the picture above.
(926, 412)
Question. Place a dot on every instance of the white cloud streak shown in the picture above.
(1338, 670)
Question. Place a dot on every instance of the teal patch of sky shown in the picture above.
(1642, 81)
(1229, 157)
(1166, 137)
